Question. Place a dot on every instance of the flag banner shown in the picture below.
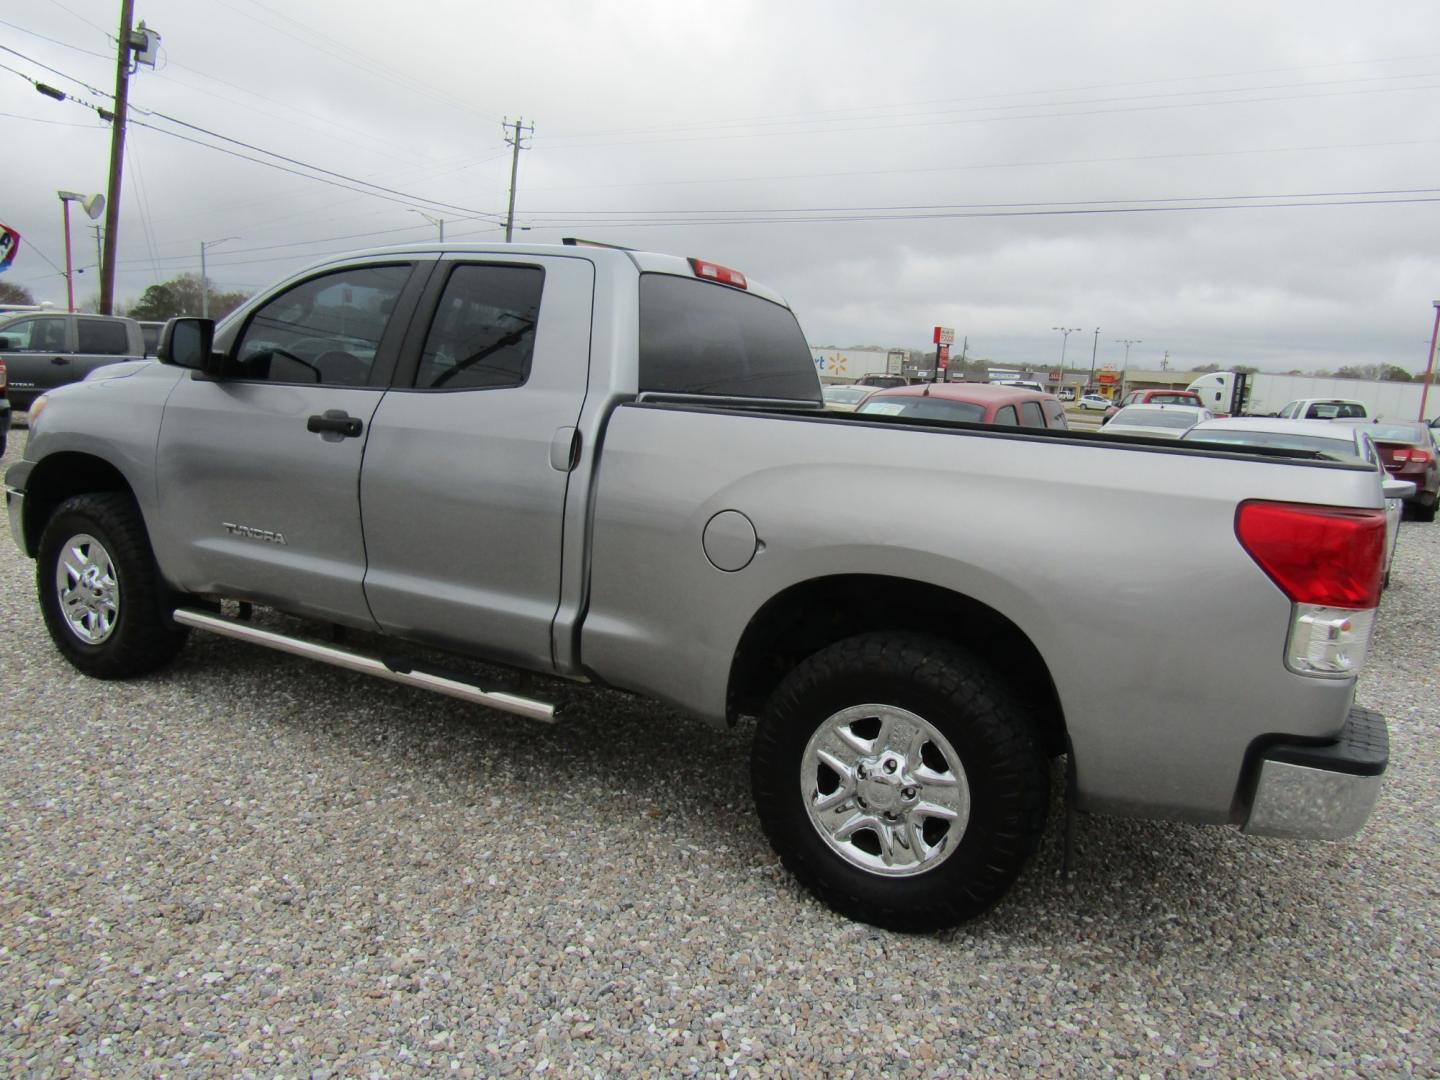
(9, 246)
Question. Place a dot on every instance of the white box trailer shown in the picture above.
(1267, 394)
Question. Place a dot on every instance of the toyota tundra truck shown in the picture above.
(615, 467)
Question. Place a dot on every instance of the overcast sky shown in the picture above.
(886, 170)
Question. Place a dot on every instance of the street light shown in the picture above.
(1430, 363)
(1127, 342)
(94, 205)
(1066, 331)
(204, 281)
(437, 222)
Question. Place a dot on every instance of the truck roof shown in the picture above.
(647, 262)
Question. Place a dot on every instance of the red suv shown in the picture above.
(1154, 397)
(975, 403)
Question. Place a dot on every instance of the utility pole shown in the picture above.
(205, 281)
(117, 157)
(521, 130)
(99, 251)
(1090, 386)
(1127, 342)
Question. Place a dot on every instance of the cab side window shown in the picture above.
(324, 331)
(101, 337)
(36, 335)
(1006, 415)
(1031, 414)
(483, 334)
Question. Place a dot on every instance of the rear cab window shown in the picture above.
(698, 337)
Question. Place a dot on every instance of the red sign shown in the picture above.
(1107, 377)
(942, 356)
(944, 335)
(1055, 376)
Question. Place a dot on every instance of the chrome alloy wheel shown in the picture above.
(885, 789)
(89, 594)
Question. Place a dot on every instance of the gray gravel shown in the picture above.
(252, 865)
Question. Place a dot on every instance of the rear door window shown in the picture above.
(1006, 415)
(697, 337)
(102, 337)
(1031, 415)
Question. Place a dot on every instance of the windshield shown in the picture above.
(924, 408)
(1336, 448)
(846, 395)
(1140, 416)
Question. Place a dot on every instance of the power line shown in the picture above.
(642, 223)
(1058, 90)
(358, 59)
(55, 41)
(377, 188)
(888, 126)
(889, 119)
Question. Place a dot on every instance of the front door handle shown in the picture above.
(58, 360)
(335, 422)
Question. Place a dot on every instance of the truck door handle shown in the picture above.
(337, 422)
(58, 360)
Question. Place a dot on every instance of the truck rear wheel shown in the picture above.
(102, 597)
(899, 781)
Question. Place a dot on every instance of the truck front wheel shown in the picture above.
(100, 592)
(899, 781)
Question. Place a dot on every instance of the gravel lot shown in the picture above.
(255, 865)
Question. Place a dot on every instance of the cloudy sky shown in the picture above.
(1002, 168)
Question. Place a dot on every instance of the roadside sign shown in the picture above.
(942, 356)
(944, 335)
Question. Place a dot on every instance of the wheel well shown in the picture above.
(56, 478)
(805, 618)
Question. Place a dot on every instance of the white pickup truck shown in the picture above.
(615, 467)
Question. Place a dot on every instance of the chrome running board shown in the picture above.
(401, 672)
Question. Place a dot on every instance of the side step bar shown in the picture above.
(393, 670)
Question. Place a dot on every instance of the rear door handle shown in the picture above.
(58, 360)
(335, 422)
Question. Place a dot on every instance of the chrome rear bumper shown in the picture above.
(1321, 792)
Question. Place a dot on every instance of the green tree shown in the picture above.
(15, 294)
(181, 296)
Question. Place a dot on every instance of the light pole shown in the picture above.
(1430, 363)
(204, 281)
(1090, 385)
(439, 223)
(1065, 332)
(1125, 371)
(94, 205)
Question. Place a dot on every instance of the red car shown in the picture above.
(1155, 396)
(1410, 453)
(975, 403)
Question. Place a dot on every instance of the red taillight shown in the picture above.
(1316, 554)
(714, 272)
(1419, 456)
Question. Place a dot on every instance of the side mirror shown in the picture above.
(189, 343)
(1398, 489)
(4, 344)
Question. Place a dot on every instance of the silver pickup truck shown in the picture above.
(615, 467)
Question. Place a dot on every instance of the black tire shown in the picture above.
(986, 727)
(1425, 511)
(141, 634)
